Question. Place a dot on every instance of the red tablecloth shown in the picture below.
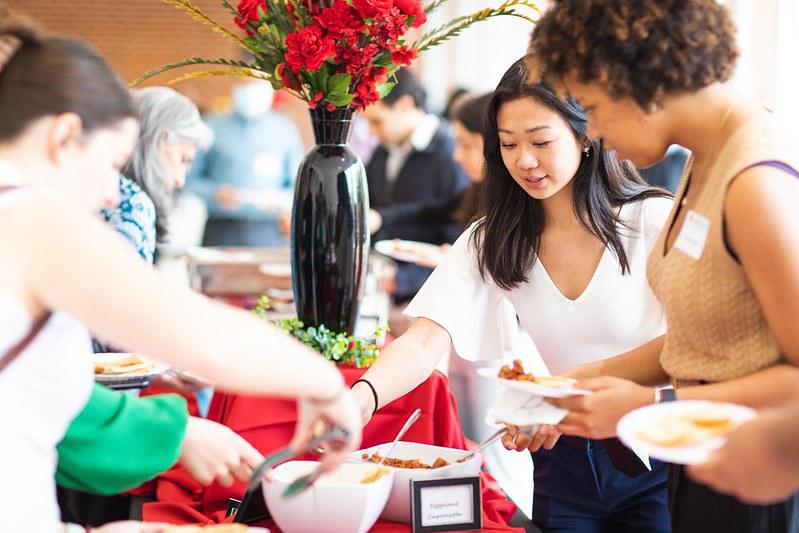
(268, 424)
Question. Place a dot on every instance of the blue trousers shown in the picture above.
(578, 490)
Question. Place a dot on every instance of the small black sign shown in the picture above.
(452, 504)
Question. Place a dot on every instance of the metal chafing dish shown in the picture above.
(239, 271)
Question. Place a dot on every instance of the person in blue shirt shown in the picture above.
(667, 172)
(247, 176)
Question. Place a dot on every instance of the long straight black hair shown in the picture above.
(508, 238)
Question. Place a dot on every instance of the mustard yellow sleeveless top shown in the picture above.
(716, 327)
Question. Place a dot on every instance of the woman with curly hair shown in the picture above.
(562, 244)
(726, 267)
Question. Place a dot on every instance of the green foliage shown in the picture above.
(337, 347)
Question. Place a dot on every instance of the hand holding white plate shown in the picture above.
(682, 432)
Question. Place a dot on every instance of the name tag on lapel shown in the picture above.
(693, 235)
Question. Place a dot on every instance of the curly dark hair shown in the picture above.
(641, 49)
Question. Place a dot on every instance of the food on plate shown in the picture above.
(404, 463)
(517, 373)
(127, 364)
(217, 528)
(379, 473)
(691, 427)
(716, 418)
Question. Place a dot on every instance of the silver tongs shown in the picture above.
(300, 484)
(334, 438)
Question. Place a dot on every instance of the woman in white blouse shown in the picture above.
(565, 239)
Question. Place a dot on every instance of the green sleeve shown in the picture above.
(119, 441)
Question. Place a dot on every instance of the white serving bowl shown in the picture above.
(398, 508)
(337, 503)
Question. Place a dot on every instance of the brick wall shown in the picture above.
(137, 35)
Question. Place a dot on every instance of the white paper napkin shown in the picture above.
(517, 408)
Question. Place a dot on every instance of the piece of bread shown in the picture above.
(670, 432)
(711, 417)
(126, 364)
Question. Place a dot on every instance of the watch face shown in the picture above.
(667, 395)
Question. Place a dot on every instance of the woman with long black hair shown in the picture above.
(565, 237)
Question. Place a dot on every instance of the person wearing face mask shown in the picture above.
(247, 176)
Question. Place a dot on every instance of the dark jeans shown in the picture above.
(92, 509)
(698, 509)
(577, 489)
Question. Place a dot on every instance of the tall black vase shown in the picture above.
(329, 237)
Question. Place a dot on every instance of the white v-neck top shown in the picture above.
(615, 312)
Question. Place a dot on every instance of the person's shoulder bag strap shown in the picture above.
(14, 352)
(8, 357)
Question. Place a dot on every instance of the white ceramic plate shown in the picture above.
(533, 389)
(154, 368)
(629, 426)
(410, 251)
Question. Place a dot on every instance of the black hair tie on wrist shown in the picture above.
(374, 392)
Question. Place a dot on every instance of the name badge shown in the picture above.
(693, 235)
(446, 505)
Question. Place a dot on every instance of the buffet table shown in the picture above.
(269, 424)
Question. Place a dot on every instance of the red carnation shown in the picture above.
(366, 92)
(306, 48)
(389, 26)
(315, 100)
(403, 55)
(357, 59)
(248, 12)
(412, 8)
(372, 8)
(340, 20)
(365, 95)
(287, 78)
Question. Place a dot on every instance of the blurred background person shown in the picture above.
(456, 97)
(247, 176)
(413, 168)
(170, 134)
(667, 172)
(463, 207)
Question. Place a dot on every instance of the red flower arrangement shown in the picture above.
(336, 53)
